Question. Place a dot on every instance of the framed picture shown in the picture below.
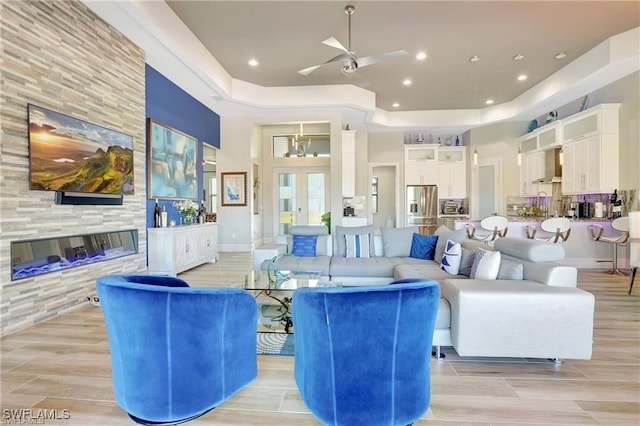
(172, 162)
(234, 188)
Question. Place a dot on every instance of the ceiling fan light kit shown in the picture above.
(348, 60)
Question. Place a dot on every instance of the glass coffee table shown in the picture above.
(274, 292)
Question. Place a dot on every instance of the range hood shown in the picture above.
(552, 167)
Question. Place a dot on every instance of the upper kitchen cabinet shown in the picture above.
(531, 171)
(420, 164)
(547, 136)
(348, 163)
(590, 143)
(452, 172)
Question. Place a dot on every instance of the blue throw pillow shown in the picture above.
(304, 245)
(423, 246)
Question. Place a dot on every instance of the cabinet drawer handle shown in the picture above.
(187, 248)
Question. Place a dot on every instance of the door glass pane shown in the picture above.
(315, 198)
(487, 191)
(286, 201)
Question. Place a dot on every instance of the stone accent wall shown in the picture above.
(61, 56)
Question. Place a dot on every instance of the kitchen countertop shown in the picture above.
(540, 219)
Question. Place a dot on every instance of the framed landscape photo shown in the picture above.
(172, 162)
(234, 188)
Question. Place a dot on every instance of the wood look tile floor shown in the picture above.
(63, 364)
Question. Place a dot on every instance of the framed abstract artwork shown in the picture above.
(234, 188)
(172, 162)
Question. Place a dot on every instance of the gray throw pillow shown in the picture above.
(397, 241)
(444, 234)
(466, 262)
(510, 270)
(341, 244)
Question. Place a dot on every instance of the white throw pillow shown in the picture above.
(357, 245)
(486, 265)
(451, 257)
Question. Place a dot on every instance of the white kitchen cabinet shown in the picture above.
(348, 163)
(591, 151)
(176, 249)
(549, 135)
(452, 172)
(532, 169)
(582, 170)
(420, 165)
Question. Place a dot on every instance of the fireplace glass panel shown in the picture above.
(36, 257)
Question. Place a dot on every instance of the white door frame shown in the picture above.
(500, 205)
(396, 187)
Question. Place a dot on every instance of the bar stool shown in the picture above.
(559, 227)
(621, 225)
(634, 246)
(496, 225)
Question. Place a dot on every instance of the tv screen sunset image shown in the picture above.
(67, 154)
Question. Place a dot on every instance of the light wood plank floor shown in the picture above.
(64, 364)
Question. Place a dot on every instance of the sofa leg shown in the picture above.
(556, 360)
(437, 354)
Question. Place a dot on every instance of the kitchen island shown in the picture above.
(580, 250)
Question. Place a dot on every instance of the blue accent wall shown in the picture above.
(169, 104)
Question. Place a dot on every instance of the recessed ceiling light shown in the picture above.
(474, 58)
(395, 105)
(421, 56)
(489, 102)
(253, 62)
(560, 55)
(406, 82)
(522, 77)
(518, 57)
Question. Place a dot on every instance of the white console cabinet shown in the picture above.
(173, 250)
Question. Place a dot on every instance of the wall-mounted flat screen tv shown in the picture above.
(67, 154)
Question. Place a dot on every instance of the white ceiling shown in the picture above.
(213, 41)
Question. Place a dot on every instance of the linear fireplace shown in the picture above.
(36, 257)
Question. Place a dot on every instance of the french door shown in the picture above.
(302, 196)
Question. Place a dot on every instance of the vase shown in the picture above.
(188, 220)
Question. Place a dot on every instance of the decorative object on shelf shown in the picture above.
(457, 141)
(172, 162)
(187, 209)
(234, 188)
(552, 116)
(585, 103)
(533, 125)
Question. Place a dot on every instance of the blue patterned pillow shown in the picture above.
(423, 246)
(357, 245)
(451, 257)
(304, 245)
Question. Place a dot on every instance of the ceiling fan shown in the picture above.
(350, 62)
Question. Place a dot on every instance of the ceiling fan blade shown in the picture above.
(357, 79)
(339, 58)
(369, 60)
(331, 41)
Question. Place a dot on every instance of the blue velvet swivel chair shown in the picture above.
(176, 351)
(363, 354)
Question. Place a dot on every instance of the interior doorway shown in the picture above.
(487, 184)
(383, 194)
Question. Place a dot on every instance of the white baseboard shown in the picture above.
(235, 247)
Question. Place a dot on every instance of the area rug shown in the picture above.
(275, 344)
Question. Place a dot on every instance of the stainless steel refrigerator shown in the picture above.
(422, 207)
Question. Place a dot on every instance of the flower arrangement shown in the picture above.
(187, 208)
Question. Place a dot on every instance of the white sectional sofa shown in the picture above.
(535, 312)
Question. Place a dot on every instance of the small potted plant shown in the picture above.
(326, 219)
